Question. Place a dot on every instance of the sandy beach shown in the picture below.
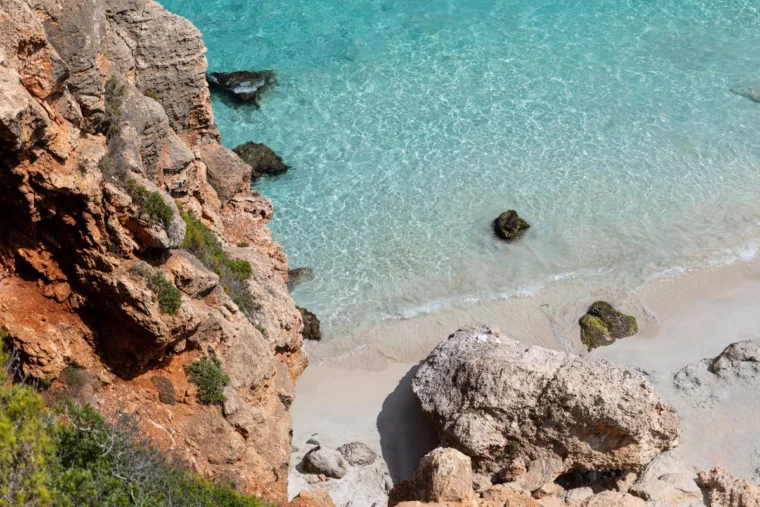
(363, 394)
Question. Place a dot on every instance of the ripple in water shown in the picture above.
(608, 124)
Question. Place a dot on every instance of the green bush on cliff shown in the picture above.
(210, 379)
(26, 446)
(78, 459)
(169, 297)
(114, 99)
(151, 203)
(233, 273)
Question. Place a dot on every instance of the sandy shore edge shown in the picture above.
(357, 390)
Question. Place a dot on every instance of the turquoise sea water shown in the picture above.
(608, 124)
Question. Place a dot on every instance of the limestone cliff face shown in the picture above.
(94, 92)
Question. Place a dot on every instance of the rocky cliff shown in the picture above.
(127, 234)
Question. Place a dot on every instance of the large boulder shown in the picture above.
(262, 159)
(498, 400)
(603, 325)
(242, 85)
(509, 226)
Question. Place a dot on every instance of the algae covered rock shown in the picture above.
(244, 86)
(603, 325)
(262, 159)
(509, 226)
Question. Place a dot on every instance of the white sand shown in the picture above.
(359, 388)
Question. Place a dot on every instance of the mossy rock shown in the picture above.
(509, 226)
(603, 325)
(262, 159)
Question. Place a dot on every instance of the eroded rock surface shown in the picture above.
(497, 400)
(106, 132)
(723, 489)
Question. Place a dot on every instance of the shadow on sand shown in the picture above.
(406, 434)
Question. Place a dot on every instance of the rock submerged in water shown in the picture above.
(298, 275)
(245, 86)
(752, 94)
(311, 330)
(509, 226)
(262, 159)
(603, 325)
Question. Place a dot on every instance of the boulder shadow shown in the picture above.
(406, 433)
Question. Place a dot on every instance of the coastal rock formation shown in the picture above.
(738, 363)
(244, 86)
(509, 226)
(723, 489)
(311, 329)
(499, 401)
(262, 159)
(110, 164)
(603, 325)
(503, 373)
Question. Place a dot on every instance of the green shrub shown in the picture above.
(169, 297)
(233, 273)
(26, 448)
(81, 460)
(152, 95)
(151, 203)
(114, 99)
(210, 379)
(244, 244)
(116, 465)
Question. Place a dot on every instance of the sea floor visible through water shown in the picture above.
(611, 126)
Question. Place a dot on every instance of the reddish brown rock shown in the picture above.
(314, 498)
(71, 292)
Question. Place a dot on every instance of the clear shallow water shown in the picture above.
(608, 124)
